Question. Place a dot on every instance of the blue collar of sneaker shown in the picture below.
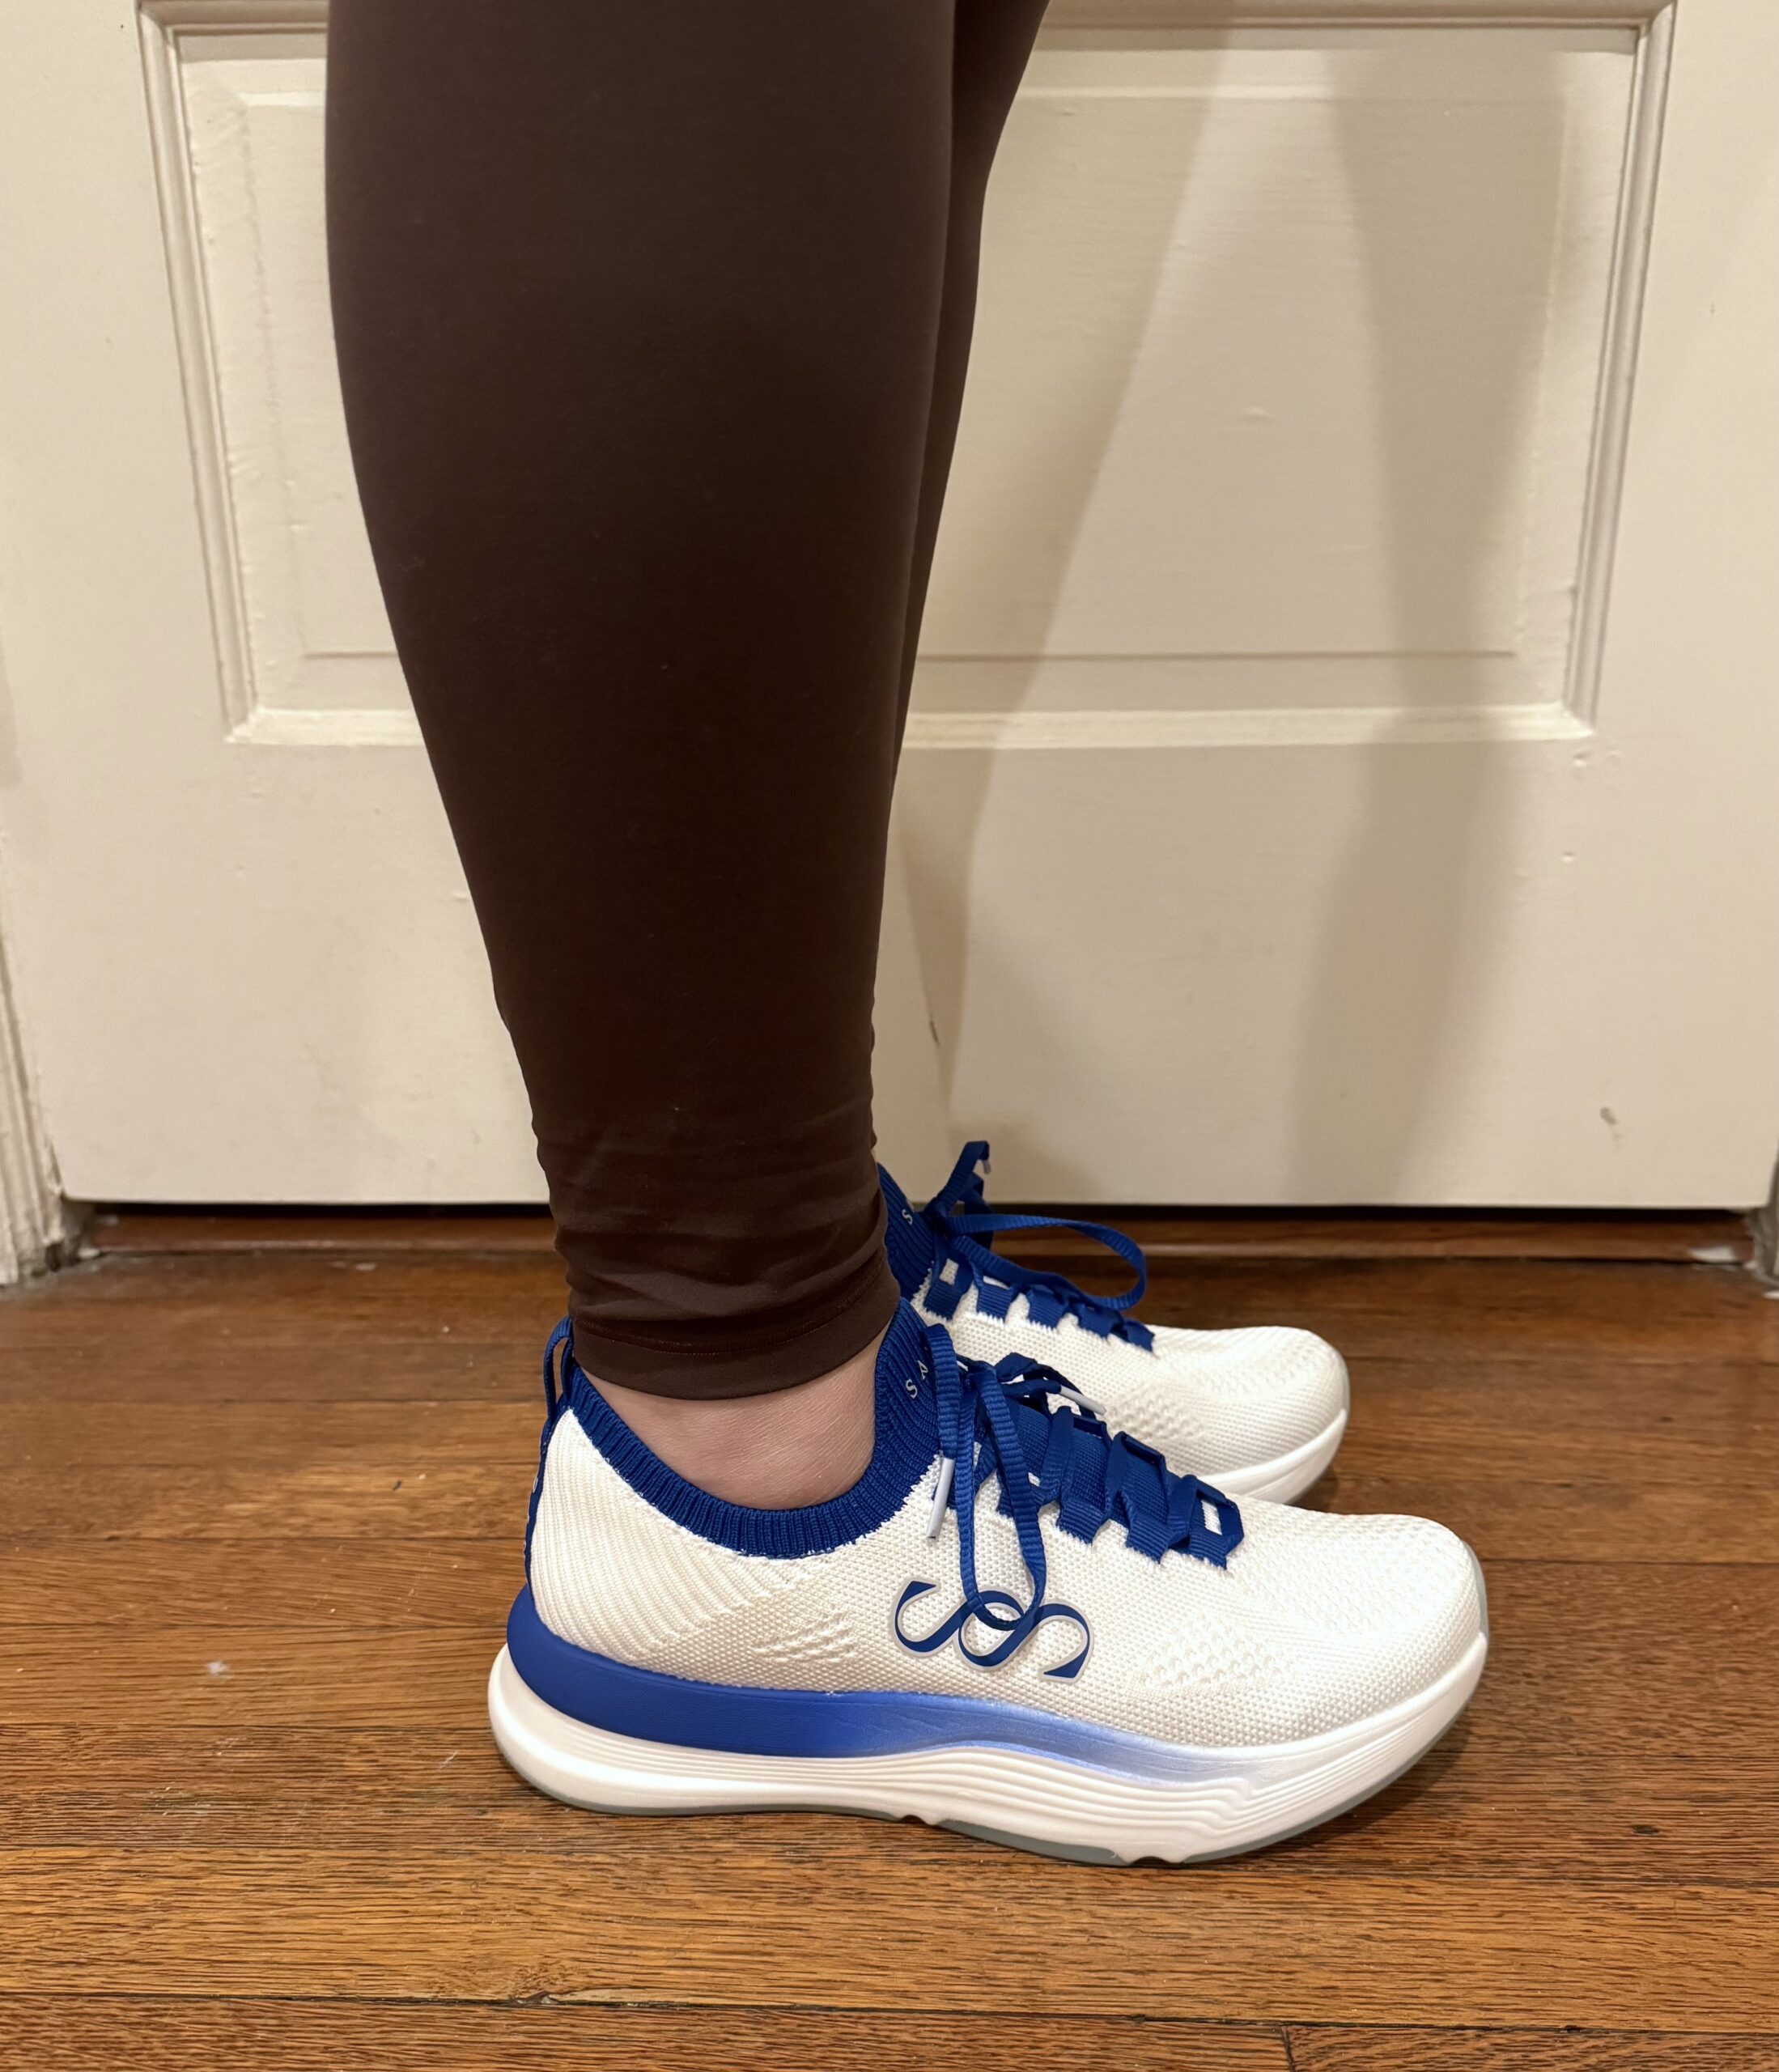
(907, 1439)
(941, 1246)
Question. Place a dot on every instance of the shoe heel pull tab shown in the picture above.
(557, 1351)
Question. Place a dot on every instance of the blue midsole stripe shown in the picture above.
(744, 1720)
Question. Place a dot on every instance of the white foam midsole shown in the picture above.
(1226, 1799)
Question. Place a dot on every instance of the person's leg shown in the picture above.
(639, 312)
(809, 1440)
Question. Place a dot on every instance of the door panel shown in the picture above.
(1341, 753)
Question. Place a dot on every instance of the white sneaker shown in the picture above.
(1110, 1661)
(1261, 1410)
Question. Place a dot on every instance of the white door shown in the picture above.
(1342, 769)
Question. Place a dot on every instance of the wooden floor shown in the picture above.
(262, 1487)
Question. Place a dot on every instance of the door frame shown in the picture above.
(37, 1226)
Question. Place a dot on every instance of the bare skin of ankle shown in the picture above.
(804, 1444)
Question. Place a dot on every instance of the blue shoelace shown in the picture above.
(998, 1420)
(960, 1219)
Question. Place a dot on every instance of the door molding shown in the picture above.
(35, 1223)
(1764, 1224)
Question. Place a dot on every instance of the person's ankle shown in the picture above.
(804, 1444)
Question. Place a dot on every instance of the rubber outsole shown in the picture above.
(1222, 1801)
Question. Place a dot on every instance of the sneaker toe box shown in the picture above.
(1317, 1624)
(1253, 1394)
(1377, 1609)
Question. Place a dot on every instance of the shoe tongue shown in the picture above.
(907, 1416)
(910, 1416)
(908, 1239)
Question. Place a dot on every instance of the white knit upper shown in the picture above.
(1210, 1400)
(1317, 1621)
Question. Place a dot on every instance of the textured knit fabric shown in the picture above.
(1209, 1399)
(1213, 1401)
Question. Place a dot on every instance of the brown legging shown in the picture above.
(653, 317)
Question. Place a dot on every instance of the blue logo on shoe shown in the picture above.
(1002, 1613)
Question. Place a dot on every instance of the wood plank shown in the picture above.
(1576, 1460)
(1596, 1394)
(1649, 1236)
(1580, 1460)
(206, 1367)
(707, 1911)
(1504, 1311)
(361, 1500)
(330, 1585)
(1552, 1429)
(1522, 2050)
(330, 1310)
(58, 2034)
(274, 1437)
(1632, 1660)
(1602, 1631)
(1476, 1810)
(1233, 1233)
(324, 1307)
(1466, 1810)
(171, 1232)
(325, 1585)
